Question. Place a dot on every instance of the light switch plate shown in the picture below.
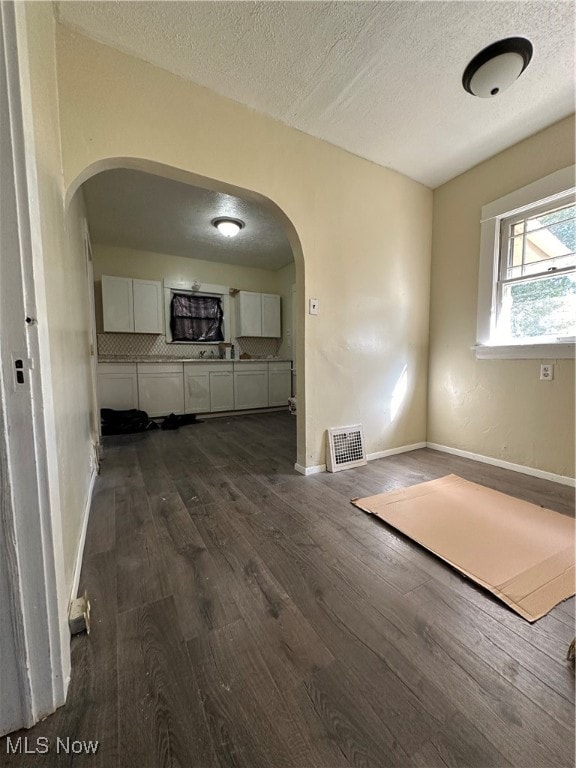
(313, 306)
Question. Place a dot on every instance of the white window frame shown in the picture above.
(545, 191)
(221, 292)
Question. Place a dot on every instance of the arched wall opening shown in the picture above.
(187, 177)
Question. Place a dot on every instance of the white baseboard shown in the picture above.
(310, 470)
(394, 451)
(562, 479)
(369, 456)
(82, 542)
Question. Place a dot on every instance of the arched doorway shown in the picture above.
(251, 198)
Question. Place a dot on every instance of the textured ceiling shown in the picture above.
(145, 212)
(380, 79)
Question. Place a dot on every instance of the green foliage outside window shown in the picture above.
(543, 307)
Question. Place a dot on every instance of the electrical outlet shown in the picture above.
(313, 306)
(546, 372)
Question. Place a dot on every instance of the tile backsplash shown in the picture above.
(143, 344)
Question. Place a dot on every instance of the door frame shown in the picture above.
(33, 615)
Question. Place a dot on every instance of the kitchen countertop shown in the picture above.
(167, 359)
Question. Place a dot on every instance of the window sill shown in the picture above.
(557, 351)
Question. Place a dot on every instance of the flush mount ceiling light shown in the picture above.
(496, 67)
(228, 227)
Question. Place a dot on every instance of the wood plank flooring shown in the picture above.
(245, 616)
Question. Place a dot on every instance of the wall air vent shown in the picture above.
(345, 448)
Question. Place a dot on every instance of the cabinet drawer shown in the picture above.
(211, 367)
(244, 367)
(160, 368)
(283, 365)
(122, 368)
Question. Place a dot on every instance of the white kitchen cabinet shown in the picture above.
(248, 314)
(131, 306)
(196, 388)
(117, 386)
(222, 390)
(148, 307)
(161, 388)
(258, 314)
(117, 304)
(208, 387)
(250, 385)
(271, 316)
(279, 383)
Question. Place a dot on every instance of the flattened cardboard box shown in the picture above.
(522, 553)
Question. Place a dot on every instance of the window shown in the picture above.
(196, 318)
(527, 284)
(196, 313)
(536, 292)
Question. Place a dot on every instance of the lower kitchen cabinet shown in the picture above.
(208, 387)
(222, 390)
(279, 383)
(193, 387)
(117, 386)
(161, 388)
(250, 386)
(196, 388)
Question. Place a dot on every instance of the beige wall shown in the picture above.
(286, 278)
(364, 231)
(66, 287)
(146, 265)
(497, 408)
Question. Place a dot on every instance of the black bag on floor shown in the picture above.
(125, 422)
(173, 421)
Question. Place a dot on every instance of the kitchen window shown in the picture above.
(196, 318)
(196, 313)
(527, 285)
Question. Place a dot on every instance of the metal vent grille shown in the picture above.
(345, 448)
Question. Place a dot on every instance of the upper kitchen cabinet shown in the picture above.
(131, 306)
(271, 326)
(258, 314)
(117, 304)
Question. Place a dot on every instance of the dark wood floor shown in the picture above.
(244, 615)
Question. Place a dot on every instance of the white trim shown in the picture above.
(315, 470)
(310, 470)
(545, 189)
(36, 567)
(394, 451)
(562, 479)
(82, 541)
(558, 351)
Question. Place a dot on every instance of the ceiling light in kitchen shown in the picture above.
(228, 227)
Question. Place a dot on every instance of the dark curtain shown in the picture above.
(196, 318)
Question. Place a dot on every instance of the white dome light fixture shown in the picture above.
(228, 227)
(495, 68)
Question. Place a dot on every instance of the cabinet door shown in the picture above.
(196, 391)
(117, 304)
(279, 387)
(118, 391)
(248, 314)
(221, 391)
(271, 326)
(161, 393)
(147, 306)
(250, 389)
